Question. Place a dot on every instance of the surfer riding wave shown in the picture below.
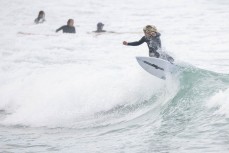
(152, 38)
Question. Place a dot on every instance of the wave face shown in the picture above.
(87, 93)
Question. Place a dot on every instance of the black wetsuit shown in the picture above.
(39, 20)
(67, 29)
(154, 43)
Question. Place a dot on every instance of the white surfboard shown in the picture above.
(156, 66)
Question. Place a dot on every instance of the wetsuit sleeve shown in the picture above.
(159, 40)
(59, 29)
(74, 31)
(136, 43)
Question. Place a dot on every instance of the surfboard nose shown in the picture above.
(138, 58)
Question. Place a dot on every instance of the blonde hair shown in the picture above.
(149, 29)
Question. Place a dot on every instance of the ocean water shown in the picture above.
(86, 92)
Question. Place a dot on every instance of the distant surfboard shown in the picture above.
(95, 34)
(26, 33)
(156, 66)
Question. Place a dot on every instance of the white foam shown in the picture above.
(48, 92)
(221, 101)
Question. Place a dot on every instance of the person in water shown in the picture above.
(40, 18)
(100, 28)
(152, 38)
(69, 28)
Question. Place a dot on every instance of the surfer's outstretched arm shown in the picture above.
(61, 28)
(136, 43)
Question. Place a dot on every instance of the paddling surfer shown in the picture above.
(69, 28)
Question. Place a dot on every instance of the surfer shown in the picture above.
(100, 28)
(69, 28)
(40, 18)
(152, 38)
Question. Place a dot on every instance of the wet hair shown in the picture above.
(69, 21)
(41, 14)
(100, 24)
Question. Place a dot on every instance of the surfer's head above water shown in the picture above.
(70, 22)
(100, 27)
(150, 30)
(41, 14)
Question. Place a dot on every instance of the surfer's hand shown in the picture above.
(125, 43)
